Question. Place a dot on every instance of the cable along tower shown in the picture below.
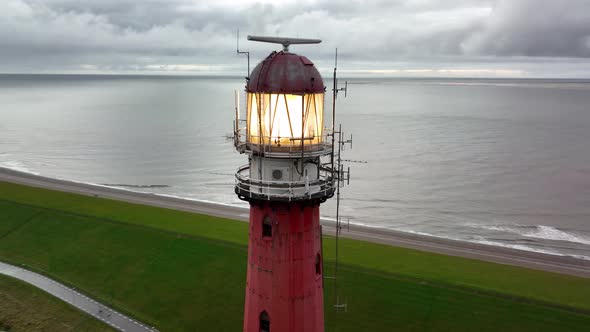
(290, 172)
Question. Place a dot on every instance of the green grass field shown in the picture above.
(185, 272)
(26, 308)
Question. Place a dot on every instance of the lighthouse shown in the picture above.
(287, 177)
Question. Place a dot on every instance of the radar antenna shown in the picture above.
(285, 41)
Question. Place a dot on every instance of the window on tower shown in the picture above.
(267, 227)
(264, 322)
(318, 264)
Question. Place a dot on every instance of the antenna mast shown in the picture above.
(243, 52)
(340, 176)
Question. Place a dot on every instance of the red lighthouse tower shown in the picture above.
(285, 181)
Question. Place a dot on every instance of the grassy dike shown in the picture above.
(26, 308)
(185, 272)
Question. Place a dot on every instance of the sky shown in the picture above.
(415, 38)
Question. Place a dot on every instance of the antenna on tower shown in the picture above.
(243, 52)
(342, 177)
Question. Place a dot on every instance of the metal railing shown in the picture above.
(271, 146)
(321, 188)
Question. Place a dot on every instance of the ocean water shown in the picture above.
(502, 162)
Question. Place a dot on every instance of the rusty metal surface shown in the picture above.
(283, 72)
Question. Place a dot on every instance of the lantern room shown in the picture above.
(284, 132)
(285, 105)
(284, 120)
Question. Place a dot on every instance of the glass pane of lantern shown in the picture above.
(252, 119)
(279, 119)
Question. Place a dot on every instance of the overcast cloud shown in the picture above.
(531, 38)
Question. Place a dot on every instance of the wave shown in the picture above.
(482, 240)
(238, 204)
(126, 188)
(475, 239)
(536, 231)
(17, 166)
(552, 233)
(135, 185)
(479, 239)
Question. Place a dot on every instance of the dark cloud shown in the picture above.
(119, 34)
(534, 28)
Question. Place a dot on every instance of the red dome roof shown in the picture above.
(285, 73)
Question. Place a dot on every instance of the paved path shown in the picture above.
(528, 259)
(73, 297)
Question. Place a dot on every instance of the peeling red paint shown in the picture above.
(282, 279)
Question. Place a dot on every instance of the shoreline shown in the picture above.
(496, 254)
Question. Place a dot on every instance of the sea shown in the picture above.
(504, 162)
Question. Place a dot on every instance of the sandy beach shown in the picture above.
(527, 259)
